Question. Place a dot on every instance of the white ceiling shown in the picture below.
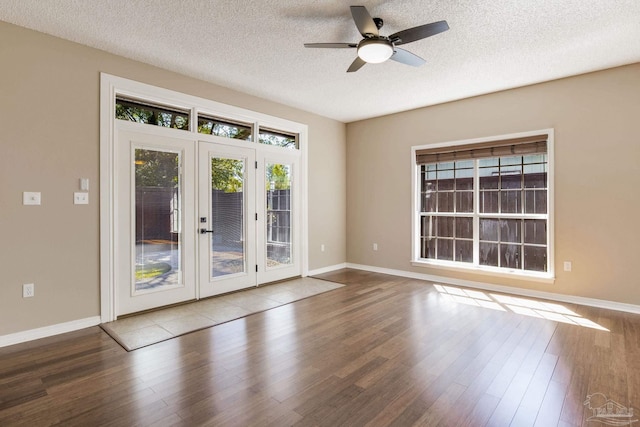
(257, 46)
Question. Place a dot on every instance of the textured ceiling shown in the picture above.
(257, 47)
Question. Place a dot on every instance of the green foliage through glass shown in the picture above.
(153, 115)
(278, 139)
(227, 175)
(224, 128)
(156, 168)
(278, 177)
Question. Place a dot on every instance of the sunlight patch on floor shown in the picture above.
(518, 305)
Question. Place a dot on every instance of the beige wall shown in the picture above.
(596, 118)
(49, 108)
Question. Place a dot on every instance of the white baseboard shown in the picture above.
(327, 269)
(48, 331)
(573, 299)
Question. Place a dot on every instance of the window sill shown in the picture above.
(548, 278)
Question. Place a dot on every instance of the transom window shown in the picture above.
(485, 205)
(151, 113)
(278, 138)
(147, 113)
(224, 127)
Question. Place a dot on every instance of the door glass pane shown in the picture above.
(227, 216)
(278, 193)
(158, 222)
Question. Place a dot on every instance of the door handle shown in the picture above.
(205, 231)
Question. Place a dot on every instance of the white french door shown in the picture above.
(226, 219)
(155, 219)
(197, 219)
(249, 210)
(278, 206)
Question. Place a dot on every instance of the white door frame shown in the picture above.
(110, 86)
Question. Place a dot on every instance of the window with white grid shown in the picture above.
(485, 205)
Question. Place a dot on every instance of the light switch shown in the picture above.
(84, 184)
(31, 198)
(80, 198)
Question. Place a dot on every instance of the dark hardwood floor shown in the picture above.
(382, 351)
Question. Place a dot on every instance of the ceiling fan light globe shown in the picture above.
(375, 51)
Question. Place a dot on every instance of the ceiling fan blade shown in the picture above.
(364, 21)
(418, 33)
(406, 57)
(331, 45)
(356, 65)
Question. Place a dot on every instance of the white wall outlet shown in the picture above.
(31, 198)
(567, 266)
(375, 246)
(28, 290)
(80, 198)
(321, 248)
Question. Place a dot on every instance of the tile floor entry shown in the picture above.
(153, 327)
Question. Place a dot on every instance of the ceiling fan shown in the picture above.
(374, 48)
